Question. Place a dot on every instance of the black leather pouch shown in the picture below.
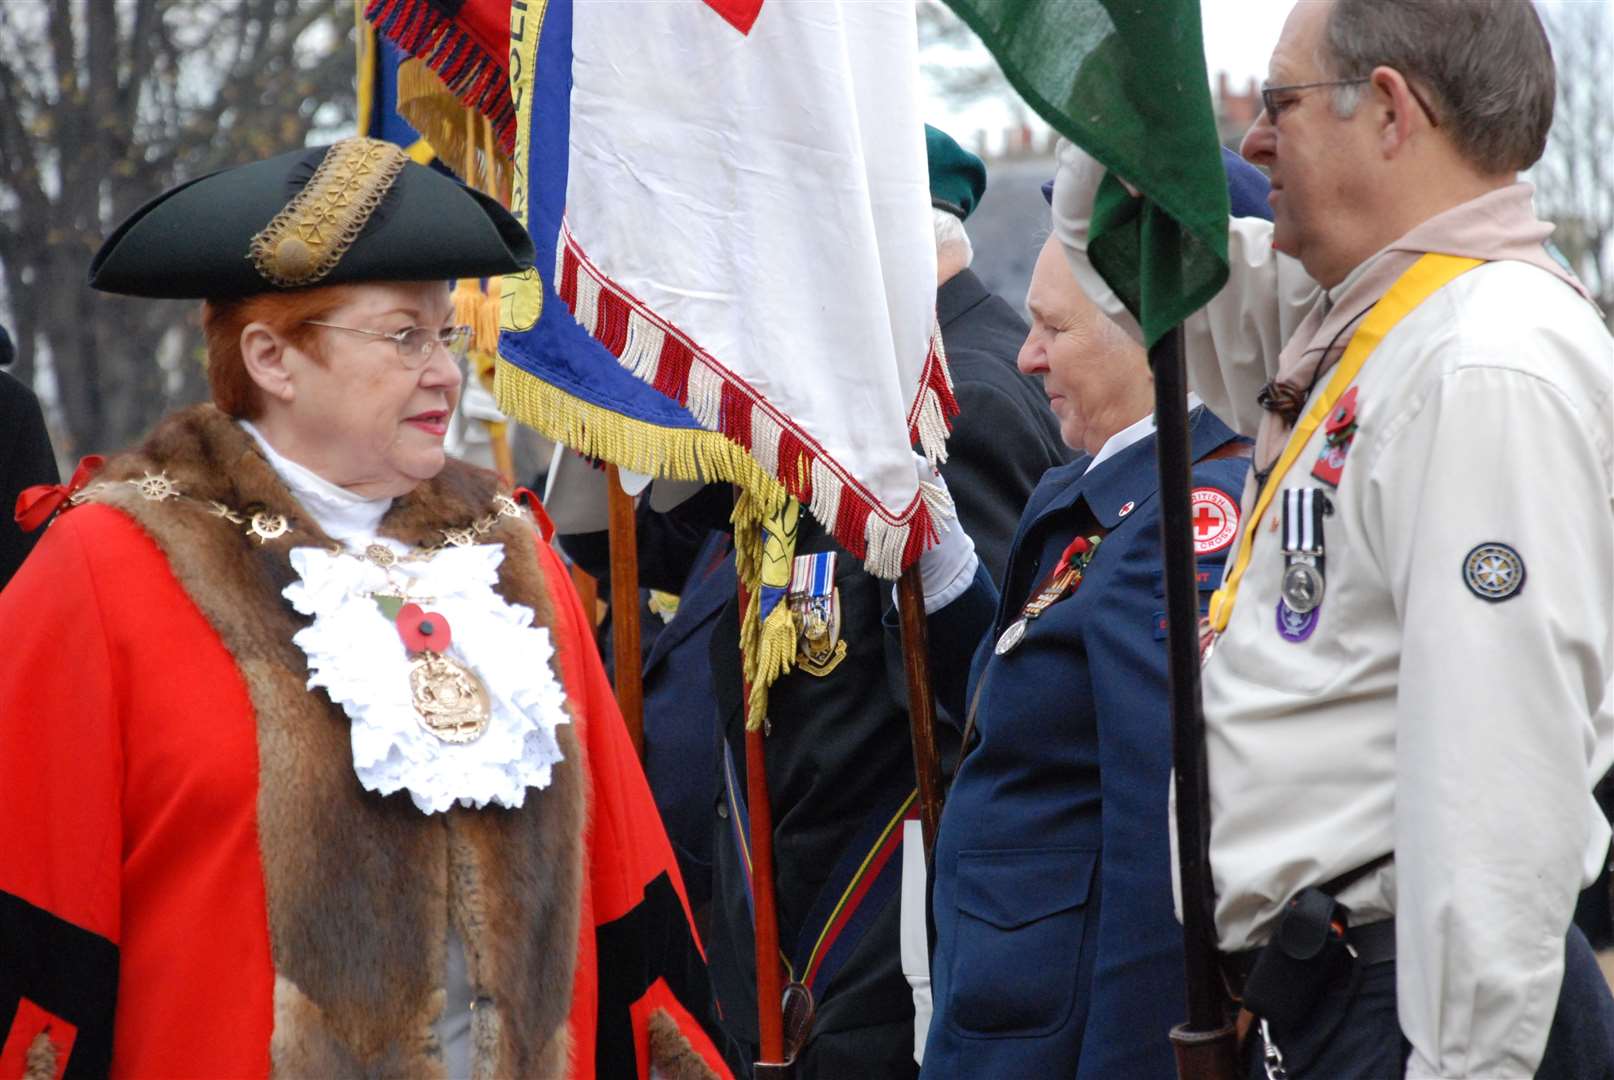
(1308, 953)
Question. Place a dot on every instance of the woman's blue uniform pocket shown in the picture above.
(1018, 934)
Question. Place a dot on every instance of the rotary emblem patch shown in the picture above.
(1215, 518)
(1493, 571)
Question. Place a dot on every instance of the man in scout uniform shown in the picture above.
(1407, 692)
(840, 760)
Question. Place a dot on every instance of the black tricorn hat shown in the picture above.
(358, 210)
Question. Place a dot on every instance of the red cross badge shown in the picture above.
(1215, 518)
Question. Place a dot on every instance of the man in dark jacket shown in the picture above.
(840, 764)
(25, 459)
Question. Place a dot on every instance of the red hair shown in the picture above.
(286, 313)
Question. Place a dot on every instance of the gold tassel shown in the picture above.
(765, 545)
(433, 110)
(487, 324)
(767, 648)
(487, 319)
(468, 300)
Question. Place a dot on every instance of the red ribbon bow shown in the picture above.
(36, 504)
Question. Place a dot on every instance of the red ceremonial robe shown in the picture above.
(169, 908)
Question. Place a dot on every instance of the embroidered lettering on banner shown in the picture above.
(306, 240)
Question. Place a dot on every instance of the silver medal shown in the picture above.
(1010, 637)
(1302, 587)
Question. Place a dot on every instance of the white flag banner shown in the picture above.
(748, 229)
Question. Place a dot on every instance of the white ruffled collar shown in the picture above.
(356, 655)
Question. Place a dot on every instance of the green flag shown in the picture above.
(1125, 80)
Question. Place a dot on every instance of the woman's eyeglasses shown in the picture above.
(414, 344)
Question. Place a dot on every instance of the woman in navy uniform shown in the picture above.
(1056, 949)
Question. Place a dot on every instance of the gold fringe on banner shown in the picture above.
(682, 454)
(433, 110)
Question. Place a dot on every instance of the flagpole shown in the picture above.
(921, 702)
(1206, 1043)
(625, 608)
(770, 979)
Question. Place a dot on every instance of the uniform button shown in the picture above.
(722, 808)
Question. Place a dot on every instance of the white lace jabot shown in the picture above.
(356, 655)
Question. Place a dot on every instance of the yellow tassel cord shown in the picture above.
(487, 322)
(486, 325)
(473, 307)
(437, 114)
(681, 454)
(468, 299)
(767, 647)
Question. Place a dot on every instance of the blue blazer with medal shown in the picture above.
(1057, 952)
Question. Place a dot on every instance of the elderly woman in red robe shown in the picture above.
(307, 763)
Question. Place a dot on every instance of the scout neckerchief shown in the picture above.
(1421, 280)
(1065, 578)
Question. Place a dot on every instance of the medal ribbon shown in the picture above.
(1303, 510)
(1421, 280)
(1082, 547)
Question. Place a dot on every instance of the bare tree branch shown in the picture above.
(102, 106)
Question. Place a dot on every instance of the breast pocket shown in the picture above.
(1022, 917)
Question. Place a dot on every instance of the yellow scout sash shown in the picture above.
(1421, 280)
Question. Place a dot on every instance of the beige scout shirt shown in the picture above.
(1463, 734)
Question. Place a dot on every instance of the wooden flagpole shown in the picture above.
(921, 702)
(770, 977)
(625, 609)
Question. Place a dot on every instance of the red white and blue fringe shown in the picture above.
(663, 356)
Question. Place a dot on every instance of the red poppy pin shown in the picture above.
(423, 631)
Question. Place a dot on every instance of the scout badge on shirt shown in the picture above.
(1301, 594)
(1066, 577)
(1493, 571)
(1338, 433)
(815, 604)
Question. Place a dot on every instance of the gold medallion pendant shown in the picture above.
(450, 701)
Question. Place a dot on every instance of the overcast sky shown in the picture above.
(1239, 35)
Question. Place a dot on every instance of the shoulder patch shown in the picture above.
(1493, 571)
(1215, 519)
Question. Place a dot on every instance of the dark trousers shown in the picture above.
(1355, 1035)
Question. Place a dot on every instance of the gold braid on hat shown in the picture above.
(308, 238)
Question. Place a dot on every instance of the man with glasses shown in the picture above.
(1411, 657)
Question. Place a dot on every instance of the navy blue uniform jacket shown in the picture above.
(1057, 952)
(840, 752)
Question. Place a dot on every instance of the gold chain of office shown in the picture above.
(266, 525)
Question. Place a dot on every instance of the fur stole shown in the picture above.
(361, 889)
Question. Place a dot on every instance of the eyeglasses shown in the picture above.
(414, 344)
(1274, 107)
